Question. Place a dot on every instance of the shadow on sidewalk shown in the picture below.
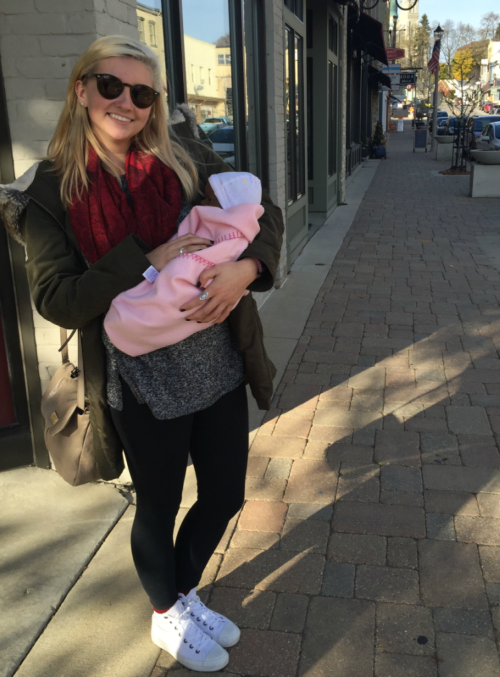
(412, 464)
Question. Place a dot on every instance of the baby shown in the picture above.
(148, 316)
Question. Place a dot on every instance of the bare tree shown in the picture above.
(449, 43)
(488, 25)
(465, 34)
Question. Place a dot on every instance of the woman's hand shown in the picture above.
(229, 283)
(165, 253)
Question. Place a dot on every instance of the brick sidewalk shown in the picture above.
(369, 543)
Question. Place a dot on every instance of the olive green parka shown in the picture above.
(70, 294)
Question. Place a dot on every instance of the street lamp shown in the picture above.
(438, 34)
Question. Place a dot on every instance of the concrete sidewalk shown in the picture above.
(71, 602)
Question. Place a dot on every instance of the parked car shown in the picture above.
(441, 126)
(209, 125)
(488, 106)
(204, 138)
(480, 122)
(475, 127)
(223, 142)
(451, 125)
(441, 115)
(490, 138)
(495, 110)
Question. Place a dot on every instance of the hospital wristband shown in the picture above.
(150, 274)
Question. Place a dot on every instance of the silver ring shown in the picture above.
(181, 250)
(204, 296)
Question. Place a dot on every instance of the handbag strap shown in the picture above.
(64, 345)
(65, 339)
(80, 391)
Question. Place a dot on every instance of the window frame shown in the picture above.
(296, 7)
(173, 30)
(140, 29)
(152, 33)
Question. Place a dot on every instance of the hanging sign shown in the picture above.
(408, 78)
(393, 72)
(393, 53)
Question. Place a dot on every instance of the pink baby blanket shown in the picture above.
(147, 317)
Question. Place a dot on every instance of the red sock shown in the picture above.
(162, 611)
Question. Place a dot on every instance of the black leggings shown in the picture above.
(157, 455)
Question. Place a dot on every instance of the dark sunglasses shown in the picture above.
(110, 87)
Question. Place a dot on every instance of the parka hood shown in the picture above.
(13, 196)
(14, 200)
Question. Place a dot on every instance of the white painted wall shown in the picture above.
(40, 42)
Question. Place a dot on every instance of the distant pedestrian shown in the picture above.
(102, 209)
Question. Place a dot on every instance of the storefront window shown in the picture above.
(218, 90)
(207, 48)
(213, 46)
(332, 34)
(294, 110)
(332, 118)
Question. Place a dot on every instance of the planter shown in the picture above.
(379, 152)
(444, 152)
(444, 139)
(484, 180)
(486, 157)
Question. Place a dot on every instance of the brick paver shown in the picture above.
(370, 540)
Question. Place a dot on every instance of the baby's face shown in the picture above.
(210, 199)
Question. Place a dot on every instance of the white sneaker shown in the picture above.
(175, 632)
(216, 626)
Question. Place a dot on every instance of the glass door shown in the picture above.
(16, 447)
(296, 125)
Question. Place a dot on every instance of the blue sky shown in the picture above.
(203, 20)
(457, 10)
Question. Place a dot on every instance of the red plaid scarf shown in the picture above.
(103, 218)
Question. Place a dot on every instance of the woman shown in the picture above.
(101, 210)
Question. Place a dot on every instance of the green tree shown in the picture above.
(462, 64)
(444, 73)
(467, 96)
(421, 52)
(496, 37)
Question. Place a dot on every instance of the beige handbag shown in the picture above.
(68, 433)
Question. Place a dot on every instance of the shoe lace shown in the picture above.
(196, 639)
(195, 609)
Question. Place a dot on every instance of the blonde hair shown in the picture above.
(68, 149)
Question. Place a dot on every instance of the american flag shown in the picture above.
(434, 60)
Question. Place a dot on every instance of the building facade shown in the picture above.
(491, 73)
(299, 80)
